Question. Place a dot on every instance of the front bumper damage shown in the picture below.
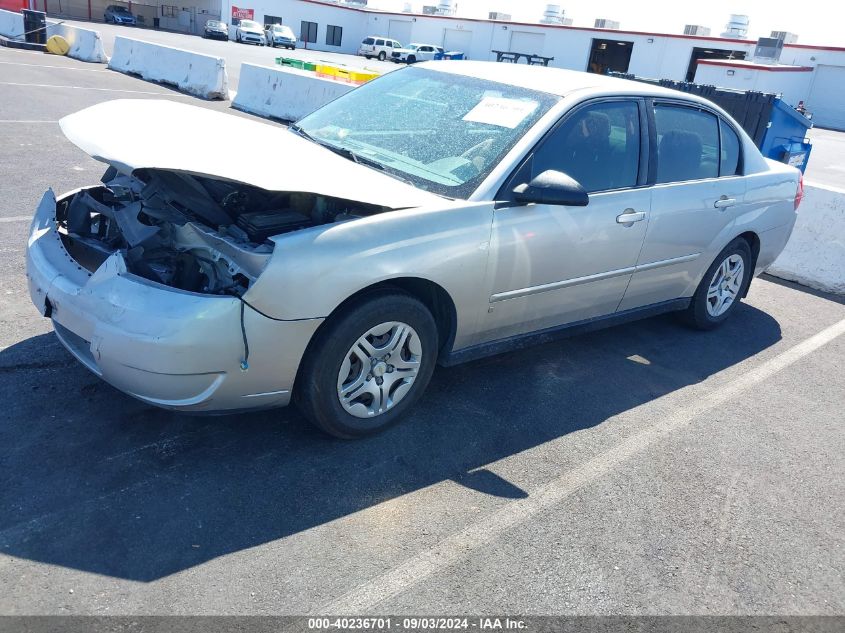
(171, 348)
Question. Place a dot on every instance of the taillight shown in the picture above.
(799, 195)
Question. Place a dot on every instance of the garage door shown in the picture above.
(827, 97)
(400, 30)
(529, 43)
(455, 40)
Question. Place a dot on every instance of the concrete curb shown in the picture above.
(200, 75)
(815, 254)
(85, 44)
(286, 94)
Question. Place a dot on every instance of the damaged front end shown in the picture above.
(195, 233)
(144, 278)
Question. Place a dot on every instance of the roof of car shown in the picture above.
(556, 81)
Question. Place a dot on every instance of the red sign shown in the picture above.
(242, 14)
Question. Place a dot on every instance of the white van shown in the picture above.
(377, 46)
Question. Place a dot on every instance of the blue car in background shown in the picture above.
(117, 14)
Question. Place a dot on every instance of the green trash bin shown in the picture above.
(309, 66)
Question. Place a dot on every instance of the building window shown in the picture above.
(168, 11)
(272, 19)
(333, 35)
(308, 31)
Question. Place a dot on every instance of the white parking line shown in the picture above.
(17, 218)
(87, 70)
(367, 596)
(140, 92)
(24, 121)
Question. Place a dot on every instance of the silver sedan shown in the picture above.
(489, 206)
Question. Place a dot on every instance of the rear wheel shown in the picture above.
(381, 56)
(721, 288)
(368, 365)
(412, 59)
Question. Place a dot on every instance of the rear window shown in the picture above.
(369, 41)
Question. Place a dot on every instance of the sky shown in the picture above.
(815, 22)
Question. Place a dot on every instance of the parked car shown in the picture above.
(280, 35)
(507, 204)
(216, 30)
(416, 53)
(117, 14)
(380, 47)
(250, 32)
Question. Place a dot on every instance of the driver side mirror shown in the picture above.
(552, 187)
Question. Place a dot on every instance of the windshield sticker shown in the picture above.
(501, 111)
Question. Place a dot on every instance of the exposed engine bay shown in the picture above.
(195, 233)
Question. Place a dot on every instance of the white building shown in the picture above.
(647, 54)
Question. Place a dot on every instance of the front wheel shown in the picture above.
(368, 365)
(721, 288)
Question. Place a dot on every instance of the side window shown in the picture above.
(379, 42)
(729, 155)
(687, 143)
(599, 146)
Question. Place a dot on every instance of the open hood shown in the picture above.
(132, 134)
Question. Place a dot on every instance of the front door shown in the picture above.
(552, 265)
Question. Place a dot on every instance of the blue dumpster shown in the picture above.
(785, 139)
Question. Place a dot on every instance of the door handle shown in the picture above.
(629, 216)
(724, 202)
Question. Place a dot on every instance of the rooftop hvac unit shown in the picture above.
(429, 9)
(785, 36)
(768, 49)
(603, 23)
(498, 15)
(737, 27)
(446, 7)
(696, 29)
(553, 14)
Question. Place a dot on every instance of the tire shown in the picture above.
(412, 59)
(718, 294)
(368, 57)
(382, 56)
(337, 350)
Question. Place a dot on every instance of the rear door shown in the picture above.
(698, 192)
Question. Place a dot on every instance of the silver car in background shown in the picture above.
(487, 207)
(280, 35)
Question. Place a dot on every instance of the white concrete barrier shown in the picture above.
(201, 75)
(284, 93)
(85, 44)
(815, 254)
(11, 24)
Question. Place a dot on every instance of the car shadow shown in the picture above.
(94, 480)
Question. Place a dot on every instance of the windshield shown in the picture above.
(249, 24)
(214, 23)
(441, 132)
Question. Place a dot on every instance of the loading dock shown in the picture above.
(609, 55)
(709, 53)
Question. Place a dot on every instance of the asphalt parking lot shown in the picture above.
(645, 469)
